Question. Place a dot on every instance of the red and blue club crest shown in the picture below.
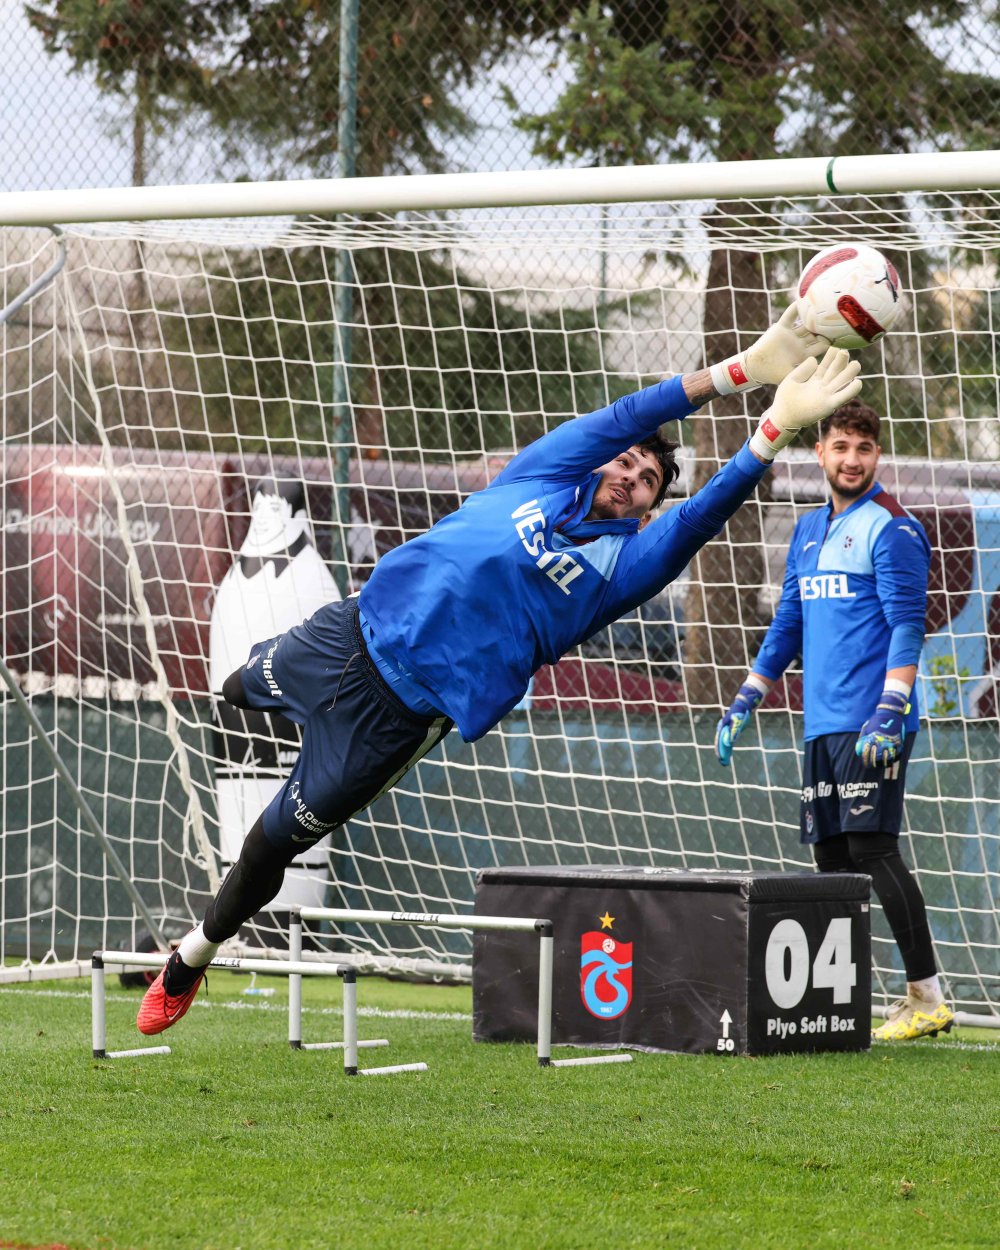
(605, 974)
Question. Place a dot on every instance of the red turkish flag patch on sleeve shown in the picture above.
(769, 429)
(737, 374)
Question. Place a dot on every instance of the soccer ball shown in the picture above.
(849, 294)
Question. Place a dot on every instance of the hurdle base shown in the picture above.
(388, 1071)
(588, 1061)
(376, 1041)
(349, 974)
(140, 1052)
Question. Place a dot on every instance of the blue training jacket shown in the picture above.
(853, 601)
(516, 577)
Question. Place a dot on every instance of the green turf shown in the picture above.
(233, 1142)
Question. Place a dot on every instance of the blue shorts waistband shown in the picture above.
(399, 680)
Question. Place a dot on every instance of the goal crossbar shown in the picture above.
(794, 176)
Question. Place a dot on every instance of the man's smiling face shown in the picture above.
(849, 460)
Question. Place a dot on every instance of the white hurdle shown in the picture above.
(155, 959)
(98, 1014)
(501, 924)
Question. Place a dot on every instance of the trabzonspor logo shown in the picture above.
(605, 974)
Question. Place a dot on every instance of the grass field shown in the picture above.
(234, 1142)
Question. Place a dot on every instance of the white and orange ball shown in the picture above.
(849, 294)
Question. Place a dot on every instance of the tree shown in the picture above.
(265, 73)
(739, 82)
(150, 54)
(276, 90)
(152, 57)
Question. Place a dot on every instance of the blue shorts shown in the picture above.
(841, 795)
(357, 738)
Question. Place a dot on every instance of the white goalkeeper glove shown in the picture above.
(770, 360)
(810, 392)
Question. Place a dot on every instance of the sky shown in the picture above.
(55, 132)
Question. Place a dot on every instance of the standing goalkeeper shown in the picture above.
(853, 603)
(451, 625)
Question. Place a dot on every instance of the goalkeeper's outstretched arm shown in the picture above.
(777, 358)
(807, 392)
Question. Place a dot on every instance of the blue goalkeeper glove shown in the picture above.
(882, 734)
(734, 721)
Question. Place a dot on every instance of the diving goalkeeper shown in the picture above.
(451, 625)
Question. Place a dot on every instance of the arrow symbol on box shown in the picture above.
(726, 1020)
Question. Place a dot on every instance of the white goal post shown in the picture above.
(229, 401)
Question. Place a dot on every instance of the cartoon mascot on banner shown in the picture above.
(277, 580)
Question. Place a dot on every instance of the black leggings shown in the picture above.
(257, 875)
(249, 886)
(877, 854)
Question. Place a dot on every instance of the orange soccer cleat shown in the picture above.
(169, 997)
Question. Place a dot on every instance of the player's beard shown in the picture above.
(604, 506)
(851, 489)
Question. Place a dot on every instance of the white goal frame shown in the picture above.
(772, 180)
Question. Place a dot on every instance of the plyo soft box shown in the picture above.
(728, 962)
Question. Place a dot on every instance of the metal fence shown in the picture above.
(167, 91)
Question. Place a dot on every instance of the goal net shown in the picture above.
(212, 427)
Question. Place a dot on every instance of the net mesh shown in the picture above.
(170, 369)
